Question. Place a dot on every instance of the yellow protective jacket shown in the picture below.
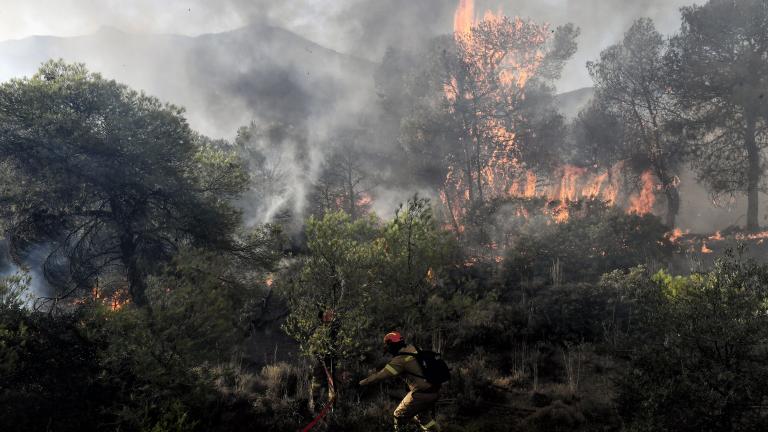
(406, 367)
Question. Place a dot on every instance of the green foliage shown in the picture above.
(196, 305)
(631, 84)
(14, 291)
(595, 240)
(362, 278)
(134, 369)
(48, 377)
(699, 358)
(412, 254)
(332, 286)
(113, 178)
(13, 333)
(718, 74)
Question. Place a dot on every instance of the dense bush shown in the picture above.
(699, 359)
(596, 239)
(87, 367)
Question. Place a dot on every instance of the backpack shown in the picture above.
(435, 369)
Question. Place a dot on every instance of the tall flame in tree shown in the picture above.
(643, 203)
(499, 56)
(464, 17)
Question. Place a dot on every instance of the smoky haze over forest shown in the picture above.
(363, 28)
(308, 63)
(215, 214)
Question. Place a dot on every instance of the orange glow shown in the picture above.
(464, 17)
(675, 235)
(569, 182)
(567, 191)
(705, 249)
(572, 183)
(496, 75)
(592, 190)
(754, 236)
(644, 201)
(431, 278)
(530, 184)
(364, 199)
(115, 301)
(716, 237)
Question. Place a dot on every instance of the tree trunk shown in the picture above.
(449, 204)
(137, 287)
(753, 173)
(351, 192)
(673, 204)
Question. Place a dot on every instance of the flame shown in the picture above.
(502, 76)
(364, 200)
(464, 17)
(754, 236)
(716, 237)
(573, 183)
(705, 249)
(530, 184)
(115, 301)
(569, 182)
(592, 190)
(676, 234)
(643, 203)
(431, 277)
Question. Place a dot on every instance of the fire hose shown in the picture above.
(328, 405)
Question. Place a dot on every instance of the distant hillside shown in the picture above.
(570, 103)
(223, 79)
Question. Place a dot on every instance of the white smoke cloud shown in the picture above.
(359, 27)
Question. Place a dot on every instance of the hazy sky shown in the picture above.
(360, 27)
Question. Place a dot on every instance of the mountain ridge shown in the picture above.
(224, 79)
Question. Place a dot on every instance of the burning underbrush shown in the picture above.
(597, 238)
(708, 247)
(497, 66)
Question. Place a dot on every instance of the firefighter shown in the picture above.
(419, 403)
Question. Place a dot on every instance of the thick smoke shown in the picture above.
(363, 28)
(32, 266)
(305, 63)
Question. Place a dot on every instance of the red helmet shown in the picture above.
(393, 337)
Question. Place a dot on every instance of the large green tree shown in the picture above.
(719, 69)
(630, 82)
(112, 179)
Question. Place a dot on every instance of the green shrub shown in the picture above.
(699, 360)
(594, 241)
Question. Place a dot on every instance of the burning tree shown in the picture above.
(481, 113)
(485, 78)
